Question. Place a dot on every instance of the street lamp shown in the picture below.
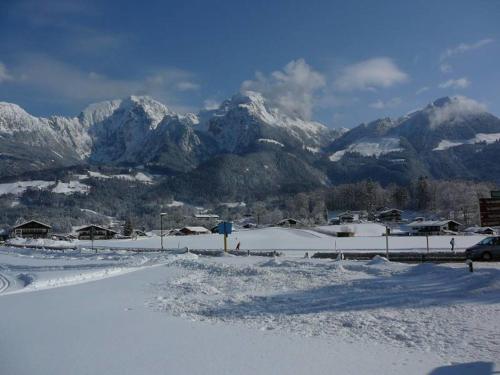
(161, 228)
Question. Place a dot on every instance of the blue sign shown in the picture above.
(225, 228)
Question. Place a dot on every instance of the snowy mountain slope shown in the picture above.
(242, 121)
(479, 138)
(140, 131)
(370, 147)
(442, 126)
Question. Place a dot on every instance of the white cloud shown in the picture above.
(464, 47)
(4, 73)
(445, 68)
(210, 104)
(291, 89)
(456, 109)
(370, 74)
(188, 86)
(422, 90)
(459, 83)
(380, 104)
(47, 76)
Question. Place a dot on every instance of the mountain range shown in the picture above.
(246, 147)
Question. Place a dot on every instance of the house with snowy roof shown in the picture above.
(31, 229)
(434, 227)
(95, 232)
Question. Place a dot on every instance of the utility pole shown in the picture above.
(92, 237)
(387, 231)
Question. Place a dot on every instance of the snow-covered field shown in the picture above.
(297, 241)
(117, 312)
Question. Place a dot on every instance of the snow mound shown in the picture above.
(398, 304)
(377, 259)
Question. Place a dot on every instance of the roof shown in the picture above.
(288, 219)
(32, 221)
(388, 211)
(432, 223)
(95, 226)
(196, 229)
(206, 216)
(478, 229)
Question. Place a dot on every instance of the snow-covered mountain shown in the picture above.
(142, 131)
(247, 139)
(447, 138)
(246, 121)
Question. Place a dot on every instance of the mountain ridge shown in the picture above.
(138, 131)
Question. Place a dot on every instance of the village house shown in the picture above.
(207, 217)
(434, 227)
(95, 232)
(481, 230)
(336, 218)
(31, 229)
(288, 222)
(389, 215)
(189, 231)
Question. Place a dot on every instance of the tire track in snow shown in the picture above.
(4, 283)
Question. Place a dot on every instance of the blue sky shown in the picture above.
(338, 62)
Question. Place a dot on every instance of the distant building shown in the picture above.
(189, 231)
(31, 229)
(95, 232)
(433, 227)
(337, 217)
(348, 217)
(389, 215)
(490, 210)
(288, 222)
(206, 217)
(481, 230)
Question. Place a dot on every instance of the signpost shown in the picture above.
(226, 229)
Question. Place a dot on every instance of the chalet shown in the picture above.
(95, 232)
(347, 217)
(288, 222)
(433, 227)
(31, 229)
(389, 215)
(189, 231)
(481, 230)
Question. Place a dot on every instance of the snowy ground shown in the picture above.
(124, 313)
(297, 241)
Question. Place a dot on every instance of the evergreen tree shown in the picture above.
(128, 228)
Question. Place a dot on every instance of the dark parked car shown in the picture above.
(487, 249)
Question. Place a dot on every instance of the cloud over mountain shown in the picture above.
(370, 74)
(457, 108)
(291, 89)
